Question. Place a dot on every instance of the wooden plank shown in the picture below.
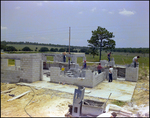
(25, 84)
(8, 90)
(19, 95)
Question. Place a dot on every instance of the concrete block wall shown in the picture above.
(55, 73)
(88, 80)
(111, 63)
(74, 60)
(98, 78)
(88, 74)
(58, 58)
(72, 65)
(104, 63)
(17, 63)
(26, 69)
(10, 76)
(31, 69)
(4, 64)
(36, 76)
(131, 74)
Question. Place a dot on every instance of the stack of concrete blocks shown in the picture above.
(114, 74)
(131, 74)
(89, 80)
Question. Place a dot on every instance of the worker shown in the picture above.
(113, 114)
(84, 65)
(99, 67)
(108, 55)
(63, 70)
(135, 60)
(64, 56)
(110, 73)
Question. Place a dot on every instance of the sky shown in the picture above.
(49, 21)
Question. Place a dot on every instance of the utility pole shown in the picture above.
(69, 47)
(100, 50)
(100, 46)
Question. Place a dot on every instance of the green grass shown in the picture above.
(120, 58)
(119, 103)
(11, 62)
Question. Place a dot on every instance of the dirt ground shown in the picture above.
(49, 103)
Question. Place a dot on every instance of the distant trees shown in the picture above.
(62, 50)
(11, 48)
(53, 49)
(43, 49)
(83, 49)
(131, 50)
(26, 49)
(3, 45)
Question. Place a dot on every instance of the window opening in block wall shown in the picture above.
(11, 62)
(80, 61)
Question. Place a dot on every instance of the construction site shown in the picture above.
(36, 87)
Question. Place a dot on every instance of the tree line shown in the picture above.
(86, 50)
(43, 44)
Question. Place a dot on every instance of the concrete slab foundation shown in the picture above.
(121, 90)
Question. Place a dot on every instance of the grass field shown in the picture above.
(120, 58)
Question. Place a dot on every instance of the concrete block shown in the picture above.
(103, 63)
(131, 74)
(111, 63)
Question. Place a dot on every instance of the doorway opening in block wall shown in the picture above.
(46, 67)
(80, 61)
(47, 64)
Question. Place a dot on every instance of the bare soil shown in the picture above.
(49, 103)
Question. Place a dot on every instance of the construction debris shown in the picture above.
(6, 91)
(19, 95)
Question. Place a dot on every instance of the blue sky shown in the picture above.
(49, 21)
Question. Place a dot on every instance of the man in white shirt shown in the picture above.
(135, 60)
(110, 74)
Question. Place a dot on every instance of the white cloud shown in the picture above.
(126, 13)
(39, 4)
(93, 9)
(80, 12)
(111, 12)
(3, 28)
(104, 10)
(17, 7)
